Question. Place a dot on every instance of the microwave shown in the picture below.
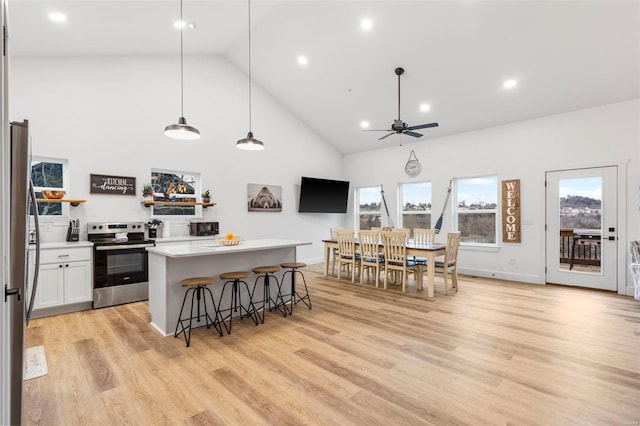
(203, 228)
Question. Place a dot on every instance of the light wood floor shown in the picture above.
(494, 353)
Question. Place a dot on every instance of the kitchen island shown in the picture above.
(170, 264)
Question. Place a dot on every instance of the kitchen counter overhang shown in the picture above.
(170, 264)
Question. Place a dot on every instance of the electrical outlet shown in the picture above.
(48, 226)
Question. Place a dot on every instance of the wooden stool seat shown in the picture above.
(293, 265)
(265, 269)
(237, 275)
(197, 281)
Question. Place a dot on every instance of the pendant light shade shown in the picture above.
(250, 143)
(181, 130)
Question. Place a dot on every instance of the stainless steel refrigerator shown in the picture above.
(21, 290)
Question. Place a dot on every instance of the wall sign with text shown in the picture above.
(511, 211)
(119, 185)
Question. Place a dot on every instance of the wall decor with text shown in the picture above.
(511, 211)
(105, 184)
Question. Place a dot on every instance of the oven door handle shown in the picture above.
(123, 247)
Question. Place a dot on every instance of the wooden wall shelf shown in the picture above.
(61, 200)
(178, 203)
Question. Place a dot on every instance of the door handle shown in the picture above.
(11, 292)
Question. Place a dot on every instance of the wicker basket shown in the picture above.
(231, 242)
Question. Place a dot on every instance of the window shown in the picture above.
(49, 173)
(476, 208)
(174, 186)
(415, 202)
(368, 207)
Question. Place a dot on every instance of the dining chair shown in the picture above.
(449, 266)
(370, 257)
(347, 255)
(334, 251)
(395, 256)
(423, 236)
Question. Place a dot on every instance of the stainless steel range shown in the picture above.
(120, 262)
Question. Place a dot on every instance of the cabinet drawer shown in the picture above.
(65, 255)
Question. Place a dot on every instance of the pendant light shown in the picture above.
(250, 143)
(181, 130)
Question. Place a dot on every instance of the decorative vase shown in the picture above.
(206, 200)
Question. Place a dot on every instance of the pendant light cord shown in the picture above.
(249, 3)
(181, 64)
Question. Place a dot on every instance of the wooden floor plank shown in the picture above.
(495, 352)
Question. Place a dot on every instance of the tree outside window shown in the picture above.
(174, 186)
(368, 211)
(48, 174)
(476, 209)
(415, 201)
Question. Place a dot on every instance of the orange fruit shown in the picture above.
(230, 236)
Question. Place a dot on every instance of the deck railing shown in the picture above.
(586, 253)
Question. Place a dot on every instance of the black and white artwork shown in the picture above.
(264, 198)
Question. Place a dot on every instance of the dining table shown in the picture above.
(428, 251)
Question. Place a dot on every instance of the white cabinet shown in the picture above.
(65, 277)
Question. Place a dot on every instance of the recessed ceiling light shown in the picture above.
(58, 17)
(364, 124)
(180, 24)
(510, 84)
(366, 24)
(192, 25)
(302, 60)
(425, 107)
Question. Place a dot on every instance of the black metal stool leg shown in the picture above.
(306, 289)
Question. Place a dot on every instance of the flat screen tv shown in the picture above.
(323, 196)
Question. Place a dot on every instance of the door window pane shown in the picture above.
(580, 224)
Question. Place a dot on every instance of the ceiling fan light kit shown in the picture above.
(399, 126)
(181, 130)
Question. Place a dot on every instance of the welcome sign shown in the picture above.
(104, 184)
(511, 211)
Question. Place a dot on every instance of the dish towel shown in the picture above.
(35, 364)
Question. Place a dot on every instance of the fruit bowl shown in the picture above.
(231, 242)
(53, 195)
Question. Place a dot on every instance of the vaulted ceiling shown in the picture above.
(564, 55)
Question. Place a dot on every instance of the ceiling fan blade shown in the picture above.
(422, 126)
(376, 130)
(414, 134)
(386, 136)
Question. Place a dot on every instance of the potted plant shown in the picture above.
(206, 196)
(147, 192)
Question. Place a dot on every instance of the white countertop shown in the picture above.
(61, 245)
(186, 238)
(213, 247)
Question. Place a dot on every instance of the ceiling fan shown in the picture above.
(398, 125)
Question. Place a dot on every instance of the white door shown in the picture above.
(582, 227)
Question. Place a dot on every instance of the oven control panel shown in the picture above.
(113, 227)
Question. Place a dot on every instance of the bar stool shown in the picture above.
(293, 270)
(197, 286)
(235, 278)
(267, 275)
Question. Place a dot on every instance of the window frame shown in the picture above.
(496, 211)
(197, 212)
(65, 211)
(401, 204)
(356, 209)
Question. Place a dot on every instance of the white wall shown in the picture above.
(106, 115)
(606, 135)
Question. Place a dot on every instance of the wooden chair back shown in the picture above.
(424, 235)
(369, 246)
(451, 251)
(346, 243)
(395, 248)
